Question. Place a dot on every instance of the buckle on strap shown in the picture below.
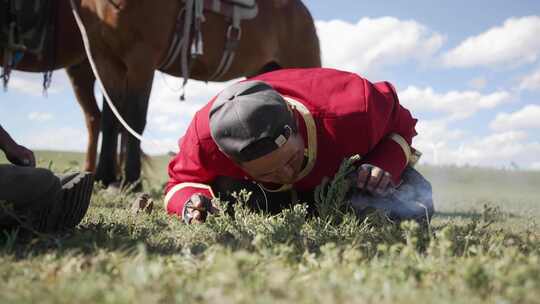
(234, 33)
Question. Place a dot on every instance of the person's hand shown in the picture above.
(374, 180)
(20, 155)
(198, 209)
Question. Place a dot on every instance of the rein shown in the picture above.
(86, 43)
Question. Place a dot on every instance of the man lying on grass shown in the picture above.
(279, 134)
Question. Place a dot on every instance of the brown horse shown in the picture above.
(69, 53)
(129, 39)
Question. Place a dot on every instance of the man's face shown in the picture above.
(281, 166)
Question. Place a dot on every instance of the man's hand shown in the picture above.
(20, 155)
(198, 208)
(374, 180)
(15, 153)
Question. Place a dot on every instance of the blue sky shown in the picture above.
(469, 70)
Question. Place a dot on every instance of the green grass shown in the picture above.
(482, 247)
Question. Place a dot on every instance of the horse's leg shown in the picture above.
(82, 81)
(113, 75)
(130, 92)
(106, 169)
(136, 118)
(126, 52)
(131, 96)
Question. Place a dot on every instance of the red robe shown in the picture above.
(344, 113)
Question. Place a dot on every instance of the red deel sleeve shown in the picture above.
(391, 126)
(187, 173)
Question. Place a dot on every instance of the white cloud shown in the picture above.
(165, 97)
(515, 42)
(370, 44)
(164, 123)
(168, 115)
(526, 118)
(535, 166)
(160, 146)
(458, 104)
(40, 116)
(32, 83)
(434, 136)
(26, 86)
(531, 82)
(478, 83)
(446, 145)
(64, 138)
(436, 131)
(506, 147)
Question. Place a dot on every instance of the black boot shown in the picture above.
(71, 205)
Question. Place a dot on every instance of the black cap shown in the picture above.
(249, 120)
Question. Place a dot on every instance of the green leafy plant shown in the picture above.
(330, 195)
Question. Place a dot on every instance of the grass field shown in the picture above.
(483, 246)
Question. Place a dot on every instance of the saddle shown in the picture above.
(242, 9)
(187, 41)
(25, 27)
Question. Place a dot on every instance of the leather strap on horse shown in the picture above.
(234, 33)
(192, 19)
(192, 13)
